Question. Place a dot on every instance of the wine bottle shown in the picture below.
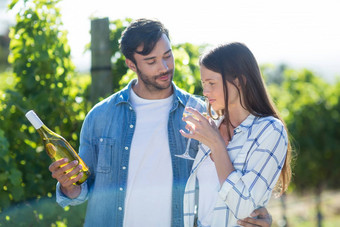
(56, 146)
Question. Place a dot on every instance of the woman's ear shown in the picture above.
(131, 65)
(237, 82)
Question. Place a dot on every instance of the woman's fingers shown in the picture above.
(187, 135)
(196, 113)
(246, 224)
(251, 222)
(263, 219)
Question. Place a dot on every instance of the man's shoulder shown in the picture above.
(108, 103)
(181, 94)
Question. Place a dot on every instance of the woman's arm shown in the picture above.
(244, 191)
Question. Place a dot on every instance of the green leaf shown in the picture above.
(17, 193)
(3, 179)
(4, 198)
(12, 4)
(15, 176)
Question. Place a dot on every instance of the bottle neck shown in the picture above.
(44, 132)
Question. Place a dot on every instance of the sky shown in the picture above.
(299, 33)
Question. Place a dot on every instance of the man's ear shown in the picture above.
(131, 65)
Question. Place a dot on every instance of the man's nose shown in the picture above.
(163, 66)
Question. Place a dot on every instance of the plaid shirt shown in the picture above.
(257, 151)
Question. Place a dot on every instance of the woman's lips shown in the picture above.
(212, 100)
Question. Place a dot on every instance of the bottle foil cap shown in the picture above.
(34, 119)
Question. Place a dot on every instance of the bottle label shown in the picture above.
(34, 119)
(51, 150)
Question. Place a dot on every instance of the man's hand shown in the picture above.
(64, 173)
(264, 219)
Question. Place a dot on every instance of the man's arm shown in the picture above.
(264, 219)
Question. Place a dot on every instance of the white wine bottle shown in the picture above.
(56, 146)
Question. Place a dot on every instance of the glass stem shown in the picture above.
(188, 145)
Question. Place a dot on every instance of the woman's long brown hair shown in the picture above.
(236, 61)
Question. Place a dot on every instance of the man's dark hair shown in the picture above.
(144, 32)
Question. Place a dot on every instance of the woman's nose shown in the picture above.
(205, 92)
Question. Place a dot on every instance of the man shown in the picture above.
(130, 139)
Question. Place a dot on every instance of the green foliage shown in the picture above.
(8, 81)
(43, 73)
(118, 60)
(309, 107)
(9, 175)
(187, 73)
(4, 43)
(43, 212)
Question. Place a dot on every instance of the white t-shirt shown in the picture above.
(149, 184)
(209, 186)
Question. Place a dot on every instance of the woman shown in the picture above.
(244, 153)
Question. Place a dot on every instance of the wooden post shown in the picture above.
(101, 53)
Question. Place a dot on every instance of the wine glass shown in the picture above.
(198, 103)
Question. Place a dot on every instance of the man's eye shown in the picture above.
(151, 62)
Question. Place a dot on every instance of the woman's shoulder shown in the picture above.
(269, 125)
(268, 120)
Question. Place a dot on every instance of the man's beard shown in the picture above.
(151, 81)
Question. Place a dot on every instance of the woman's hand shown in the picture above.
(205, 130)
(201, 129)
(264, 219)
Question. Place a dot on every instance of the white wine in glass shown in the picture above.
(198, 103)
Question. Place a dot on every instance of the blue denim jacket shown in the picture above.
(105, 142)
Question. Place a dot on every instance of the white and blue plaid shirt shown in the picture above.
(257, 151)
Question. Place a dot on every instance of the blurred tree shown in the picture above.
(4, 39)
(40, 57)
(101, 53)
(119, 67)
(187, 72)
(4, 51)
(333, 124)
(305, 101)
(273, 74)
